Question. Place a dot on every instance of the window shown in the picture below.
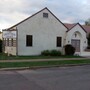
(29, 40)
(59, 41)
(45, 15)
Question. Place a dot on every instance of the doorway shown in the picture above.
(76, 43)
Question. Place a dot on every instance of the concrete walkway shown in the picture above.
(51, 59)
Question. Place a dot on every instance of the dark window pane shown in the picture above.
(29, 40)
(45, 15)
(59, 41)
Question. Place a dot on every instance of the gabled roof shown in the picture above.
(67, 25)
(87, 28)
(84, 27)
(36, 14)
(70, 26)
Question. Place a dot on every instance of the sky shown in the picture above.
(68, 11)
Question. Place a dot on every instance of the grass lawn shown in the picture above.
(5, 57)
(39, 63)
(42, 63)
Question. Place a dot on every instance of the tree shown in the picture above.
(87, 22)
(0, 46)
(88, 41)
(69, 49)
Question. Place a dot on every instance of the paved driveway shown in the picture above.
(60, 78)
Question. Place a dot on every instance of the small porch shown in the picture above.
(79, 43)
(86, 52)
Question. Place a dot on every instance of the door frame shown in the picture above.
(77, 42)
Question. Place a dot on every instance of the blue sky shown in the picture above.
(68, 11)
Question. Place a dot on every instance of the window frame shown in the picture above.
(45, 15)
(29, 40)
(59, 41)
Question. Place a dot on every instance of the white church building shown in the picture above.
(44, 31)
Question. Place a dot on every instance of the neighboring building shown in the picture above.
(0, 35)
(43, 31)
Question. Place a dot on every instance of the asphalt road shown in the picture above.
(59, 78)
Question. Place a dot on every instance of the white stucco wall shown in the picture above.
(80, 36)
(44, 31)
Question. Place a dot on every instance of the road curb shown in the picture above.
(37, 60)
(37, 67)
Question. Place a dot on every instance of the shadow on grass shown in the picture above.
(6, 57)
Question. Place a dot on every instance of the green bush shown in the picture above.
(69, 49)
(55, 53)
(51, 53)
(45, 53)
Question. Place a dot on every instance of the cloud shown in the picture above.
(76, 9)
(71, 11)
(13, 11)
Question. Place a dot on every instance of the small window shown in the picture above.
(45, 15)
(59, 41)
(29, 40)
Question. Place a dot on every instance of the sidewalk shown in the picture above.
(53, 59)
(35, 67)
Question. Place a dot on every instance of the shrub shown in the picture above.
(55, 53)
(45, 53)
(69, 49)
(51, 53)
(88, 47)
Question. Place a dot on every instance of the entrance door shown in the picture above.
(76, 44)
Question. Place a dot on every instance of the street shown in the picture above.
(55, 78)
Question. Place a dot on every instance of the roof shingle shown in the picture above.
(69, 26)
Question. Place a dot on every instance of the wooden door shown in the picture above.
(76, 44)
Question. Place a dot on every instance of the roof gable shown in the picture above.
(69, 26)
(36, 14)
(76, 25)
(87, 28)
